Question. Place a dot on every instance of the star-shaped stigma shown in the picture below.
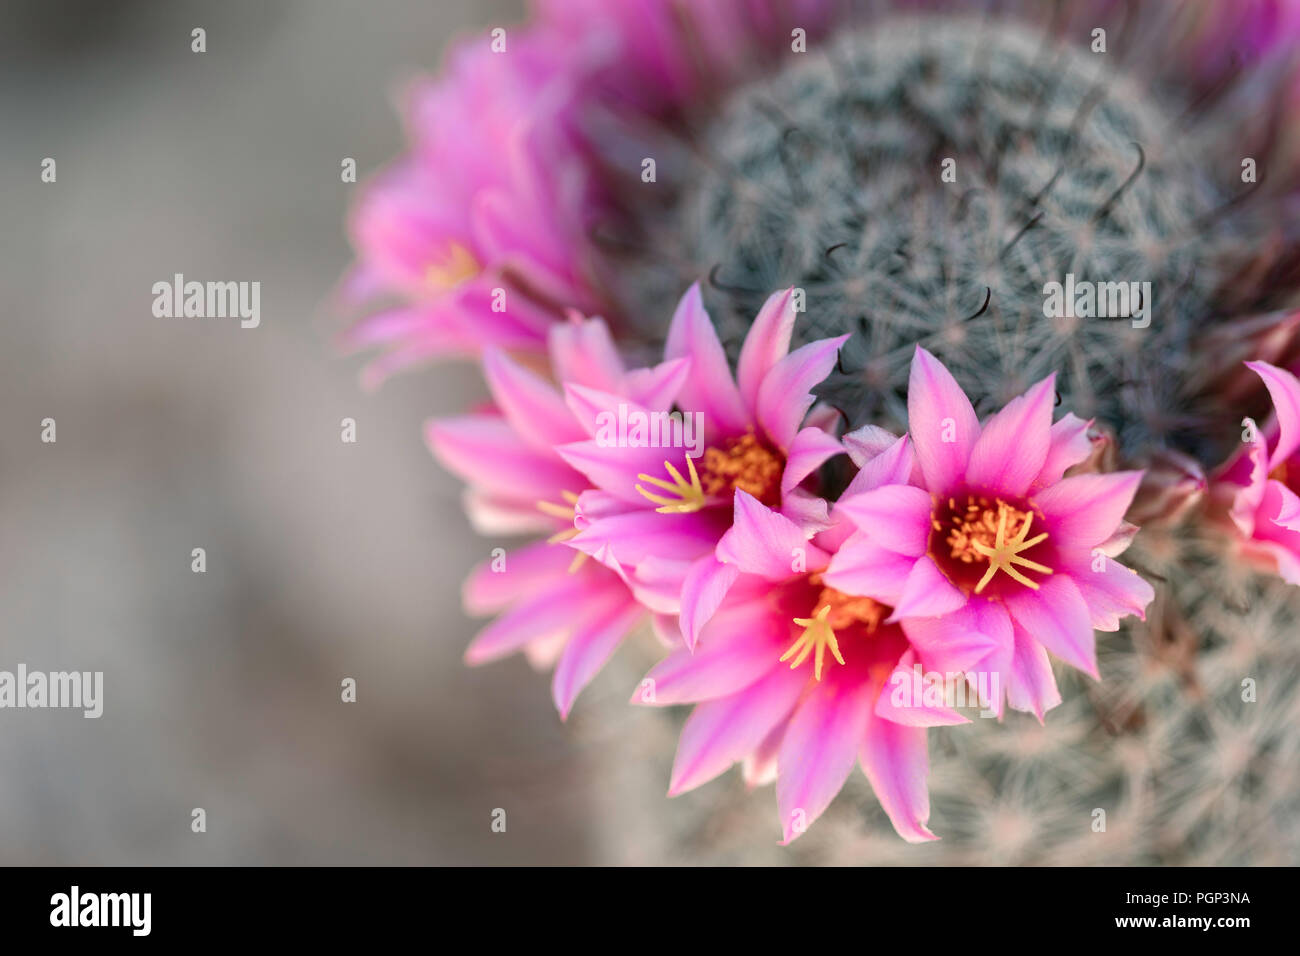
(1004, 555)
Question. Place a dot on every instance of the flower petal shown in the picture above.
(809, 450)
(938, 410)
(818, 751)
(720, 732)
(710, 387)
(1031, 685)
(896, 760)
(896, 517)
(927, 592)
(1013, 445)
(1057, 616)
(534, 409)
(861, 566)
(1284, 389)
(785, 394)
(766, 543)
(1069, 446)
(1085, 510)
(587, 651)
(766, 344)
(703, 592)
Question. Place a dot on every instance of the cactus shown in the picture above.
(828, 176)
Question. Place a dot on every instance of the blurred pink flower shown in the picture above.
(554, 604)
(657, 513)
(479, 230)
(986, 538)
(1259, 486)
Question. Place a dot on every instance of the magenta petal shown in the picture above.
(865, 443)
(703, 591)
(927, 592)
(818, 751)
(1069, 446)
(896, 517)
(583, 353)
(1284, 389)
(1086, 510)
(760, 767)
(1056, 615)
(805, 509)
(734, 650)
(1013, 444)
(587, 651)
(535, 410)
(710, 388)
(937, 409)
(809, 450)
(902, 699)
(552, 612)
(658, 388)
(896, 760)
(785, 394)
(498, 583)
(487, 453)
(720, 732)
(863, 567)
(638, 535)
(615, 469)
(979, 632)
(764, 542)
(1287, 514)
(766, 343)
(1031, 685)
(1112, 593)
(892, 466)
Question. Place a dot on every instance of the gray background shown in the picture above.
(325, 560)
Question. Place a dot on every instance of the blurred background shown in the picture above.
(328, 560)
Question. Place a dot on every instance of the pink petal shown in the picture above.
(1069, 446)
(902, 699)
(658, 388)
(936, 408)
(588, 650)
(927, 592)
(554, 611)
(703, 592)
(710, 387)
(1112, 593)
(867, 442)
(896, 761)
(810, 449)
(720, 732)
(863, 567)
(892, 466)
(1086, 510)
(638, 535)
(522, 573)
(760, 767)
(1057, 616)
(487, 452)
(583, 353)
(766, 543)
(535, 409)
(615, 469)
(806, 510)
(1284, 389)
(1031, 686)
(896, 517)
(785, 394)
(1013, 445)
(766, 344)
(735, 649)
(960, 641)
(818, 751)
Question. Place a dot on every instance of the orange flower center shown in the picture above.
(745, 463)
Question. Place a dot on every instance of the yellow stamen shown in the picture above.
(457, 265)
(687, 496)
(1004, 554)
(816, 637)
(556, 510)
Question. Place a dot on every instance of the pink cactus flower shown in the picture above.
(554, 605)
(789, 674)
(479, 229)
(1261, 486)
(657, 513)
(986, 537)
